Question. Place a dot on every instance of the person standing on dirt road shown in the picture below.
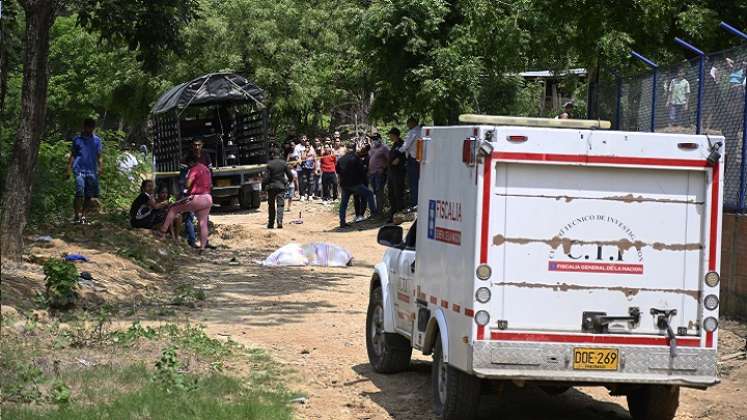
(396, 174)
(352, 176)
(85, 163)
(409, 148)
(201, 156)
(276, 182)
(199, 200)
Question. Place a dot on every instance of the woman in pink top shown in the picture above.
(199, 200)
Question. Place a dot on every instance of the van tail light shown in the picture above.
(468, 151)
(687, 146)
(517, 139)
(419, 150)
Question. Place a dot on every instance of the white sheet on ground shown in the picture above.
(317, 253)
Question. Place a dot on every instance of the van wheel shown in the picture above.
(654, 402)
(388, 353)
(456, 395)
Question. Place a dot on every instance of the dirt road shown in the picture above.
(313, 320)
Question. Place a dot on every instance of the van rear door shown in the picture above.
(568, 240)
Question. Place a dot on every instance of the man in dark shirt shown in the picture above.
(275, 182)
(352, 175)
(396, 173)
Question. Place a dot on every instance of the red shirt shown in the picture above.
(327, 162)
(200, 178)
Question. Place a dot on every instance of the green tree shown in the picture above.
(148, 27)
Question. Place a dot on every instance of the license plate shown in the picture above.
(595, 359)
(222, 182)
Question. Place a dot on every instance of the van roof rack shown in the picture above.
(534, 122)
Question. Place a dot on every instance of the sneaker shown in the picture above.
(280, 225)
(358, 219)
(344, 225)
(83, 221)
(270, 227)
(76, 220)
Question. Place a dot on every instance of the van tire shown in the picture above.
(461, 396)
(653, 402)
(387, 352)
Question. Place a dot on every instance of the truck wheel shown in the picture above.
(246, 198)
(256, 199)
(456, 395)
(654, 402)
(388, 353)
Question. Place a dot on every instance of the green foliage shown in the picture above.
(54, 191)
(61, 282)
(188, 295)
(131, 388)
(169, 375)
(20, 381)
(156, 29)
(60, 393)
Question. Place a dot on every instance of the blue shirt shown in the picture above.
(737, 77)
(86, 151)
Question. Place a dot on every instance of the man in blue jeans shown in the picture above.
(86, 166)
(352, 174)
(410, 148)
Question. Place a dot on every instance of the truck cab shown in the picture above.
(558, 253)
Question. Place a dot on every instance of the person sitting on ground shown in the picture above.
(164, 198)
(85, 164)
(351, 174)
(146, 212)
(198, 199)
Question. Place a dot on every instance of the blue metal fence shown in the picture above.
(705, 95)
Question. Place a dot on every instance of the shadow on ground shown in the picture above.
(407, 395)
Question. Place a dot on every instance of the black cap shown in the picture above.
(393, 130)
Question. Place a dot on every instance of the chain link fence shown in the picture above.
(666, 100)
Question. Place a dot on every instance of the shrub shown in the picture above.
(53, 191)
(61, 279)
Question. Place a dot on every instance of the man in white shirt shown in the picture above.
(409, 148)
(301, 146)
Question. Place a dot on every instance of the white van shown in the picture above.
(562, 256)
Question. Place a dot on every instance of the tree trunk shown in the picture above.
(40, 15)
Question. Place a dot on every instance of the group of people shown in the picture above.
(364, 168)
(162, 214)
(368, 169)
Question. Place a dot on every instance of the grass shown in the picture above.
(168, 372)
(135, 396)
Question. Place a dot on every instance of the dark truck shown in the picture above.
(226, 112)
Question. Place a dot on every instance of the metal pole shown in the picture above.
(743, 175)
(653, 99)
(654, 66)
(619, 103)
(701, 78)
(742, 197)
(733, 30)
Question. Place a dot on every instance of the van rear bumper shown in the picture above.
(692, 367)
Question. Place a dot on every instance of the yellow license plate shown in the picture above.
(595, 359)
(222, 182)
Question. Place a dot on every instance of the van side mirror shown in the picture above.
(390, 236)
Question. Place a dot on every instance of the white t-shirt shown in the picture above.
(410, 145)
